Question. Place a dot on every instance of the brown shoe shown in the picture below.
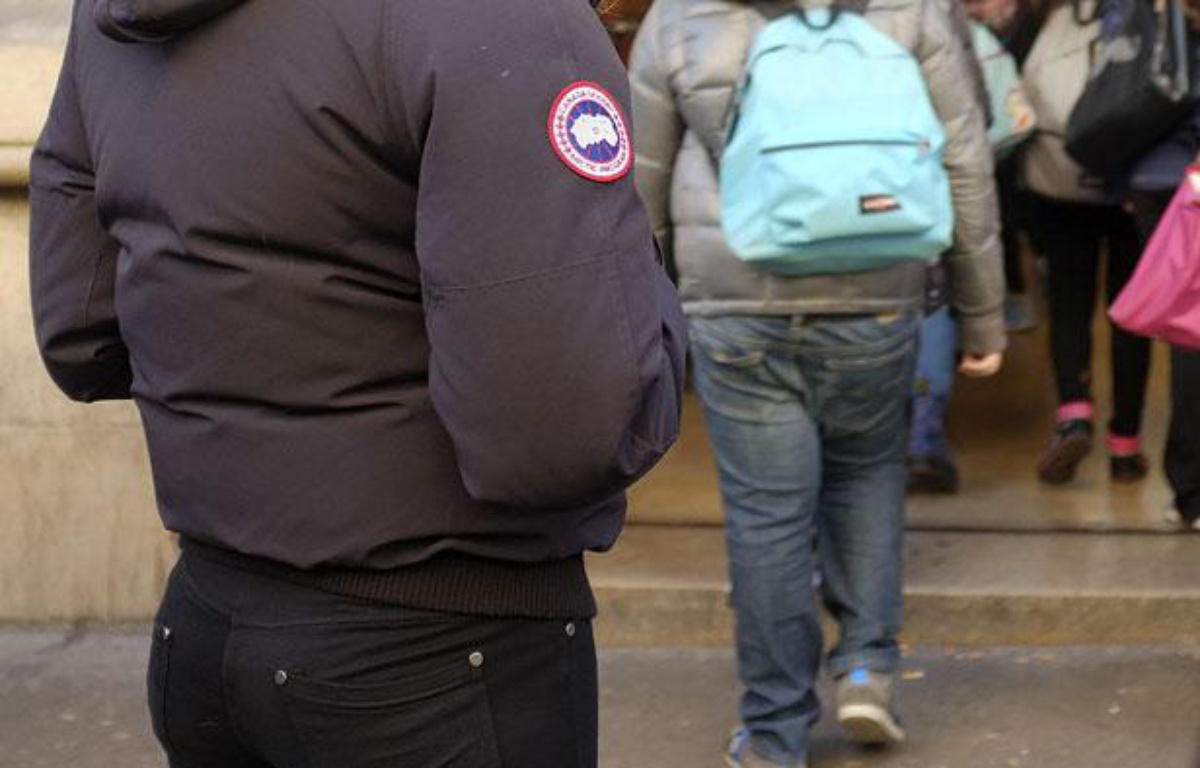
(1071, 444)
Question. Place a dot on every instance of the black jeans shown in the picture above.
(250, 672)
(1072, 236)
(1182, 458)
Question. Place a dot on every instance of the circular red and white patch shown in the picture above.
(589, 133)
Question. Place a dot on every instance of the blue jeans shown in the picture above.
(933, 386)
(807, 417)
(938, 355)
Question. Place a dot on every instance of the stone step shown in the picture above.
(998, 428)
(667, 586)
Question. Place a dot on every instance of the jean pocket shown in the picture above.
(435, 713)
(725, 350)
(860, 363)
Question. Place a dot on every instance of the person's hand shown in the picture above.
(981, 366)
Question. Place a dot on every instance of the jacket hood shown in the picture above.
(154, 21)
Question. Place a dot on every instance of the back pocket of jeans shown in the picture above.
(723, 350)
(438, 715)
(862, 363)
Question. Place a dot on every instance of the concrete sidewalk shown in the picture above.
(74, 700)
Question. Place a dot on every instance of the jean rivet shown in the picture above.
(165, 633)
(475, 660)
(281, 677)
(571, 629)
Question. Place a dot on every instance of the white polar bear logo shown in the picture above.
(590, 130)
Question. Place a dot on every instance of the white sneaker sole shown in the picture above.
(869, 724)
(1172, 517)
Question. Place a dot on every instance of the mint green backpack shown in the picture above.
(833, 161)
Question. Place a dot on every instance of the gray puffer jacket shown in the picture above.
(686, 64)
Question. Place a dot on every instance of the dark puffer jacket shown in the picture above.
(368, 314)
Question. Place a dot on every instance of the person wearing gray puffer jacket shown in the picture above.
(685, 65)
(805, 380)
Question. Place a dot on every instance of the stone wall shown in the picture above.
(79, 536)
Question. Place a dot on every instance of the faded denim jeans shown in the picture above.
(807, 417)
(937, 358)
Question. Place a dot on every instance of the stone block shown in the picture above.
(79, 535)
(30, 73)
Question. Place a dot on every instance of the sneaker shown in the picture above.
(1019, 313)
(740, 754)
(1128, 469)
(1071, 444)
(1176, 518)
(864, 708)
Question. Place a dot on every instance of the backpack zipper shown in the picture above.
(924, 146)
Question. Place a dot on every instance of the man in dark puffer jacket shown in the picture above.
(378, 279)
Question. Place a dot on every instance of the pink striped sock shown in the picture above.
(1076, 410)
(1124, 446)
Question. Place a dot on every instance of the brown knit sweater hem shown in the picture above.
(450, 582)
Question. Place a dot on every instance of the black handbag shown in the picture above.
(1139, 90)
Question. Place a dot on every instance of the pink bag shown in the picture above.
(1162, 299)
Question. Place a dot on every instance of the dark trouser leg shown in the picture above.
(1130, 353)
(1011, 222)
(1183, 445)
(316, 680)
(1181, 460)
(186, 682)
(1071, 238)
